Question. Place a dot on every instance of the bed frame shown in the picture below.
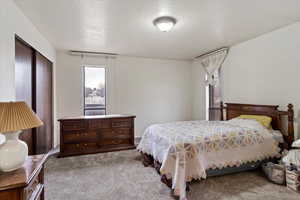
(232, 110)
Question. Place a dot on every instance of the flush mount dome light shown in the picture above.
(164, 23)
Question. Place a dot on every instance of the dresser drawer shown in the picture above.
(121, 132)
(9, 195)
(99, 123)
(106, 142)
(88, 146)
(73, 125)
(115, 132)
(119, 123)
(80, 136)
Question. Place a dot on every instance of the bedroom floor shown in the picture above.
(121, 175)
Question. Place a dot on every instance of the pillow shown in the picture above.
(264, 120)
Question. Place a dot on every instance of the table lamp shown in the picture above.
(15, 117)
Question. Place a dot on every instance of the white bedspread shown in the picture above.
(186, 149)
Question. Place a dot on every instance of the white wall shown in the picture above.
(198, 88)
(12, 21)
(69, 80)
(154, 90)
(265, 70)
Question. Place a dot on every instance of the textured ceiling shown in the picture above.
(125, 26)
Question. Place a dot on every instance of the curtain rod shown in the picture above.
(93, 52)
(212, 52)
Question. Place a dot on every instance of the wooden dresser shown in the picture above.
(95, 134)
(26, 183)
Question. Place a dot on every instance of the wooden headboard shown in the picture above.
(233, 110)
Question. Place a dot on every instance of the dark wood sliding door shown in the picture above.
(33, 78)
(43, 101)
(23, 81)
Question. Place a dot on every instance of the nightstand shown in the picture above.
(26, 183)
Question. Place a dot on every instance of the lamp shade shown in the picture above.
(15, 116)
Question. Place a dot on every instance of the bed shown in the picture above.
(193, 150)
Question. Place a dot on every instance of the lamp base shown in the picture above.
(13, 153)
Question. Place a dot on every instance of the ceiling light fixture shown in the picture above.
(164, 23)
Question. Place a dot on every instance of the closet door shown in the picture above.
(43, 102)
(23, 83)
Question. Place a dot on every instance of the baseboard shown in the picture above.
(53, 152)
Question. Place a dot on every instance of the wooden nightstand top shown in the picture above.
(23, 176)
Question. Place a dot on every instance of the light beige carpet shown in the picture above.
(121, 176)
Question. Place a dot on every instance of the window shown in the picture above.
(213, 99)
(94, 91)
